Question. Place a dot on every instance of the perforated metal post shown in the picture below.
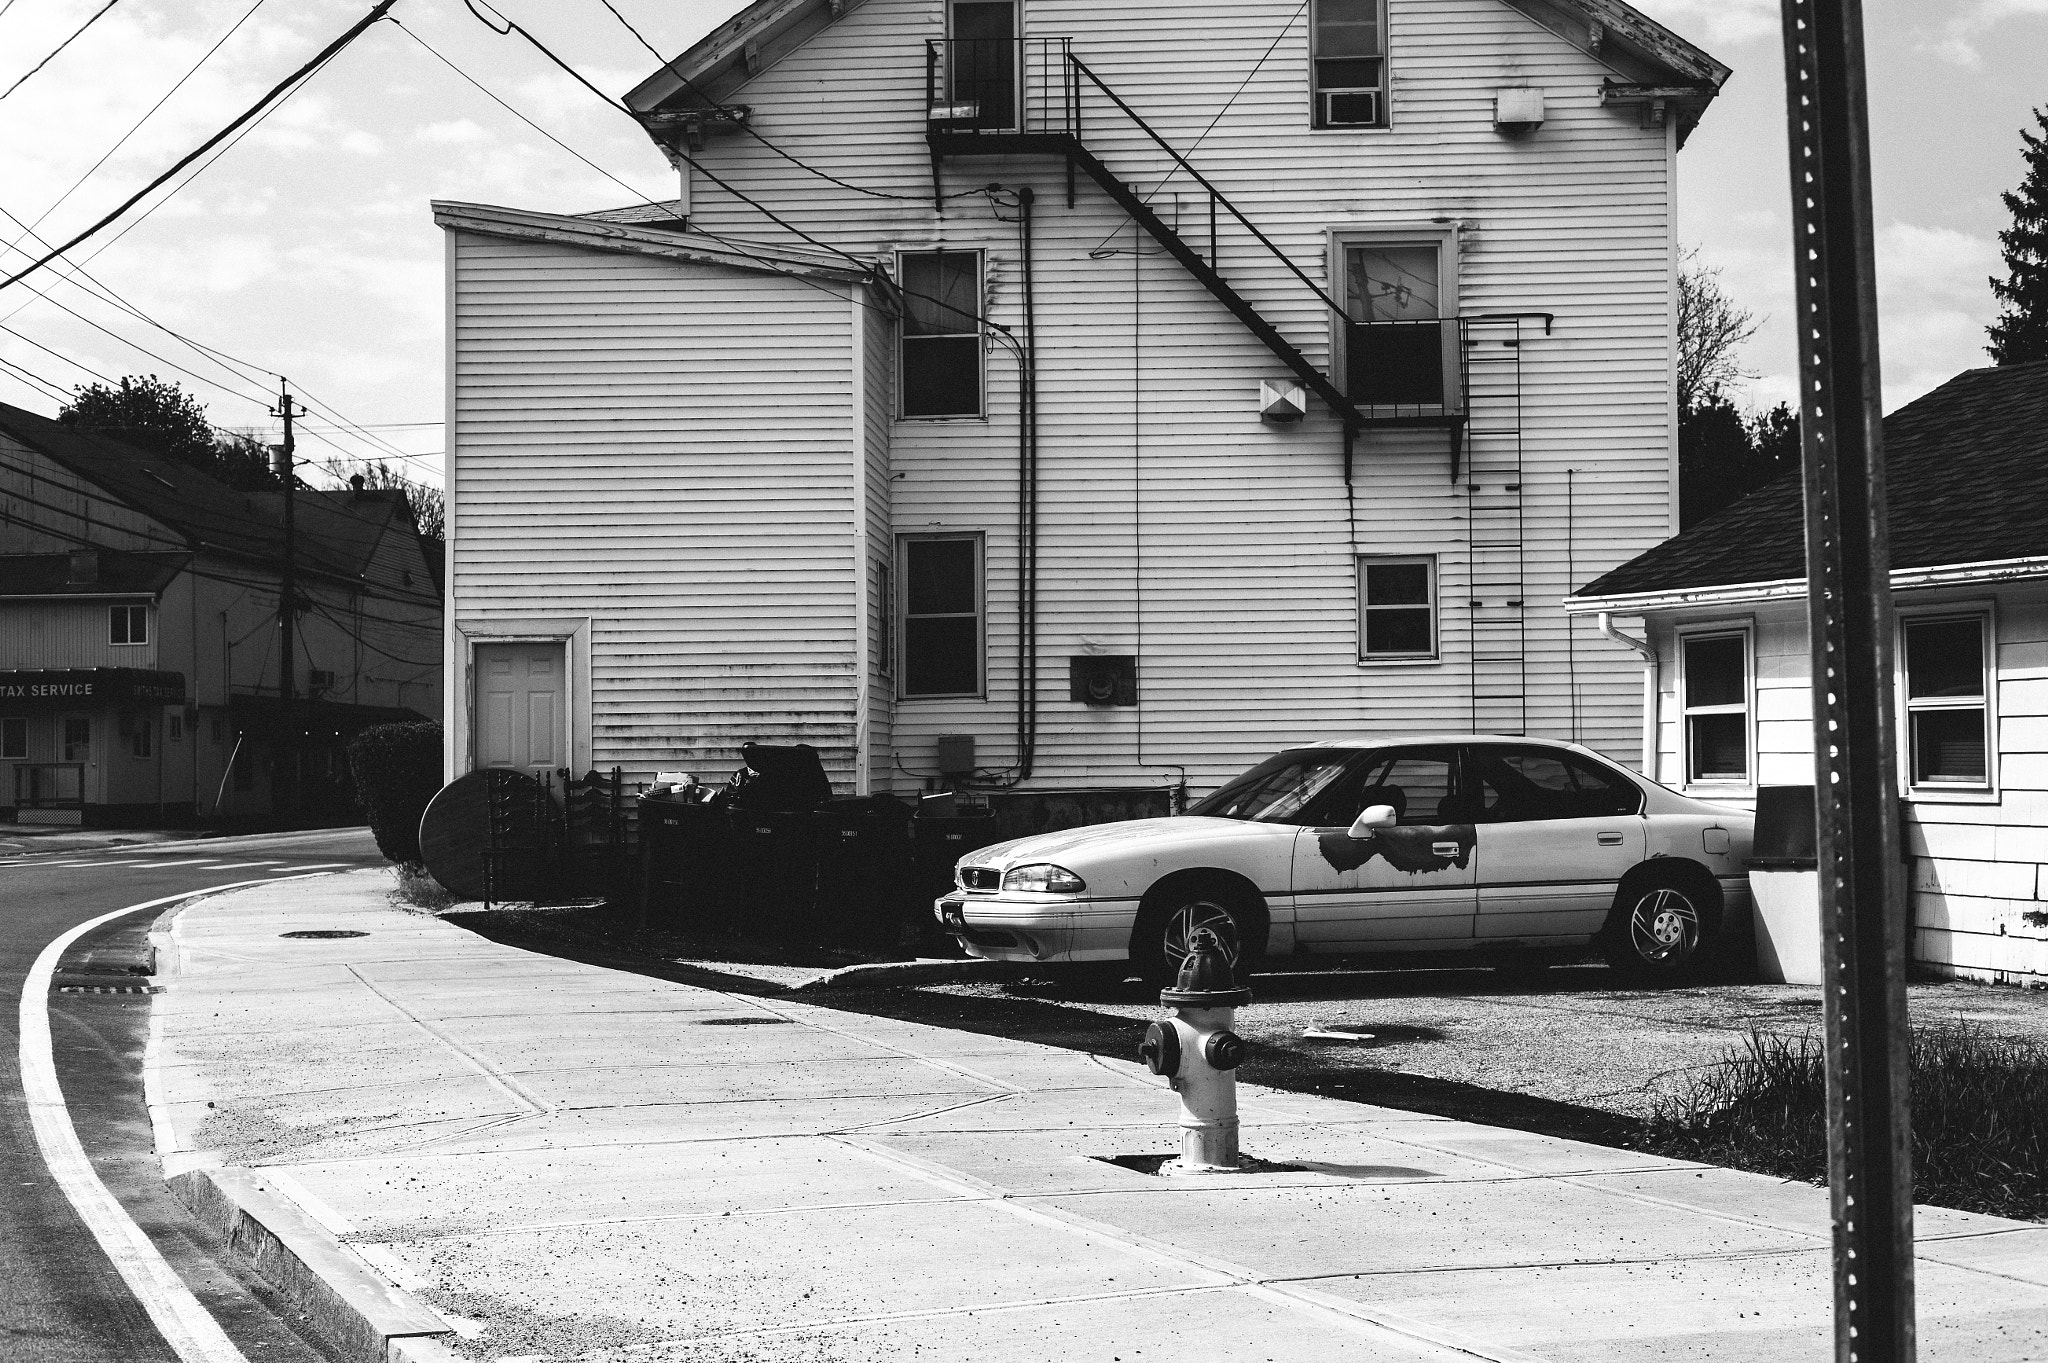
(1862, 892)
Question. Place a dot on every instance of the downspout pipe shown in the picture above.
(1651, 688)
(1027, 513)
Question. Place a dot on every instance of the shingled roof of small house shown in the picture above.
(1966, 474)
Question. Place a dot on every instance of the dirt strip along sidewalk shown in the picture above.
(569, 1162)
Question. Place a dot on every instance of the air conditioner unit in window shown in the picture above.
(1350, 108)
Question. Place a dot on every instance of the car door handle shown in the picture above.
(1444, 849)
(1610, 839)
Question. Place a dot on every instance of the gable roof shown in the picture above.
(338, 532)
(1966, 481)
(1645, 55)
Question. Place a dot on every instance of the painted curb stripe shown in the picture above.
(186, 1326)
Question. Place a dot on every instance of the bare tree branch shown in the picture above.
(1711, 329)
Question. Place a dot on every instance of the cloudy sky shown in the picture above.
(307, 247)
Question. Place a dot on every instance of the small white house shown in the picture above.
(1723, 607)
(1076, 394)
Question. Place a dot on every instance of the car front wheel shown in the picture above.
(1659, 929)
(1159, 943)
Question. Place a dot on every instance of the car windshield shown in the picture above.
(1279, 789)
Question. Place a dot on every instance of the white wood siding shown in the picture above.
(664, 450)
(878, 340)
(1976, 864)
(1176, 525)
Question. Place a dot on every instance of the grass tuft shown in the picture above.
(1980, 1117)
(419, 890)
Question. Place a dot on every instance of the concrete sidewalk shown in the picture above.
(569, 1162)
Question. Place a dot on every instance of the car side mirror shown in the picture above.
(1373, 819)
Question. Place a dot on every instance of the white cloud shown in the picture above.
(1728, 23)
(1958, 40)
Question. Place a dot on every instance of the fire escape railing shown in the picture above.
(998, 96)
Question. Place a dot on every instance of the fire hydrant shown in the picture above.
(1198, 1052)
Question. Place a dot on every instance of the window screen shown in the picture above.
(942, 617)
(1946, 714)
(941, 333)
(1717, 707)
(1349, 65)
(1398, 606)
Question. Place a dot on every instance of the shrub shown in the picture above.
(1980, 1117)
(397, 769)
(419, 890)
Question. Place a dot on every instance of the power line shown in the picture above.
(59, 48)
(304, 72)
(137, 125)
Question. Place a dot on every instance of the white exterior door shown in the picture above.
(1408, 886)
(522, 707)
(1559, 833)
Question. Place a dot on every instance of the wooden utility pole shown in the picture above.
(285, 782)
(1849, 623)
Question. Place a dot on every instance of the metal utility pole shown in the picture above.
(1849, 612)
(285, 782)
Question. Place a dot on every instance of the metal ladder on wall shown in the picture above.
(1497, 636)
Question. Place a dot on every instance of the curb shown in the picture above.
(884, 974)
(347, 1303)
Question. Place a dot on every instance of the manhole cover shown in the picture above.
(324, 933)
(740, 1022)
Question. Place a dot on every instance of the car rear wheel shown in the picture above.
(1660, 929)
(1159, 942)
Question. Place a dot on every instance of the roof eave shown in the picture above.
(742, 47)
(591, 234)
(1988, 573)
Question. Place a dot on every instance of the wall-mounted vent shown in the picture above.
(1098, 680)
(1517, 112)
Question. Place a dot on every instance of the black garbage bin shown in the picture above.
(773, 860)
(941, 840)
(865, 874)
(687, 875)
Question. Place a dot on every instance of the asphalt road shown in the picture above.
(62, 1299)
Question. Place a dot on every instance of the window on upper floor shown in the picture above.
(1714, 683)
(1947, 694)
(128, 624)
(941, 347)
(1348, 63)
(1399, 341)
(942, 616)
(1397, 608)
(981, 63)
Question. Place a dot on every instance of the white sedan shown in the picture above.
(1474, 843)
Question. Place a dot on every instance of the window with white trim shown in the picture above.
(128, 624)
(1397, 607)
(941, 342)
(1348, 64)
(942, 610)
(1947, 691)
(885, 618)
(1714, 675)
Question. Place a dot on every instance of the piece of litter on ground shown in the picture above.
(1336, 1031)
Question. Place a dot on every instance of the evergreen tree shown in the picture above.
(2021, 332)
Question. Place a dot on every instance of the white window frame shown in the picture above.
(1336, 264)
(1436, 614)
(1949, 792)
(980, 332)
(885, 621)
(1721, 629)
(127, 614)
(902, 609)
(1315, 112)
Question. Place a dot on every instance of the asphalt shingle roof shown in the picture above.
(1966, 481)
(338, 532)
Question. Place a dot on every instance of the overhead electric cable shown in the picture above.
(377, 12)
(59, 48)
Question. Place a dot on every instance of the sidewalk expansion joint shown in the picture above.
(492, 1075)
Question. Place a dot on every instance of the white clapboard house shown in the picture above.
(1076, 394)
(1724, 610)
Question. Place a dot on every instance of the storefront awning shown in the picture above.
(87, 688)
(262, 716)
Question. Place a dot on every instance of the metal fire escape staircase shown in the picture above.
(1007, 97)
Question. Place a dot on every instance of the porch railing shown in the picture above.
(1001, 85)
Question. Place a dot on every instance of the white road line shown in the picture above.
(244, 865)
(315, 866)
(148, 865)
(185, 1325)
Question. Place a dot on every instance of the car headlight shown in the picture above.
(1043, 878)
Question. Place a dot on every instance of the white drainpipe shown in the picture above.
(1650, 688)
